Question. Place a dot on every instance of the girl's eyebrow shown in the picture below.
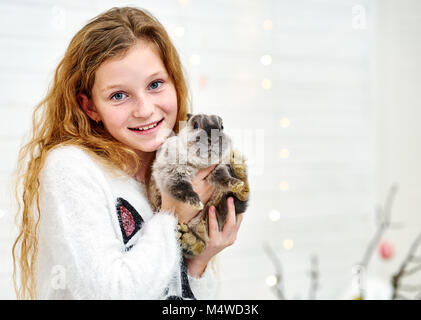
(112, 87)
(155, 74)
(120, 85)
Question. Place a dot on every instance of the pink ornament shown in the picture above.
(386, 250)
(203, 81)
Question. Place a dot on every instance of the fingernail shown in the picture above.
(231, 200)
(212, 210)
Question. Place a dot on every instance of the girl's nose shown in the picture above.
(143, 108)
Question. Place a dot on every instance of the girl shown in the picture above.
(86, 229)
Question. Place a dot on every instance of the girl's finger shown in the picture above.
(230, 221)
(203, 173)
(213, 222)
(239, 218)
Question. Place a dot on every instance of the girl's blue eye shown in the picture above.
(155, 85)
(118, 96)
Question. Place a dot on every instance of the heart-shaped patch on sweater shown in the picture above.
(129, 219)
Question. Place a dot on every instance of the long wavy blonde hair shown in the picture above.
(58, 119)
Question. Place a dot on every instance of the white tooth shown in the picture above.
(148, 127)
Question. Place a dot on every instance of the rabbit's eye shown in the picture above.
(195, 125)
(222, 127)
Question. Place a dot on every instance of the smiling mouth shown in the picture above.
(148, 127)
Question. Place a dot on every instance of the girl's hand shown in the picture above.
(202, 187)
(218, 240)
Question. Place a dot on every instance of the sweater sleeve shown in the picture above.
(76, 233)
(205, 286)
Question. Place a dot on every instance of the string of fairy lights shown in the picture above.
(284, 123)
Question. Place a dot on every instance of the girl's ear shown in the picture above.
(86, 104)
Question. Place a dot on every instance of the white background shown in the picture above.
(345, 74)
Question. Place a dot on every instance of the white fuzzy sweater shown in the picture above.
(99, 239)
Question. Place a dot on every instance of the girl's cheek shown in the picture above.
(116, 119)
(169, 100)
(172, 105)
(168, 105)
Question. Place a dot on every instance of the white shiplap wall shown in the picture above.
(320, 80)
(398, 110)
